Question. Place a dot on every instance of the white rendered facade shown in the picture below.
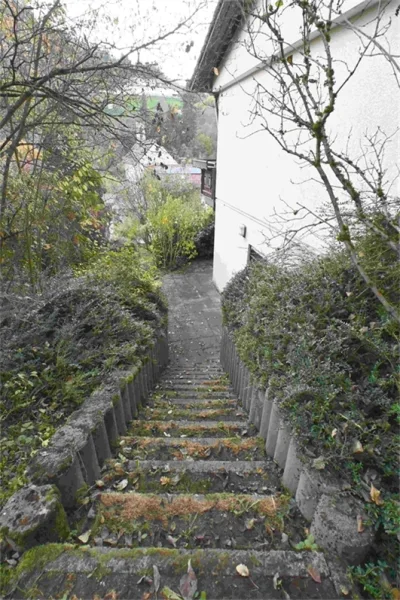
(256, 180)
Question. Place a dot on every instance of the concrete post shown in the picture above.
(273, 429)
(89, 462)
(293, 467)
(100, 440)
(266, 413)
(282, 444)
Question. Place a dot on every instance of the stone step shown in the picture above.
(170, 448)
(189, 521)
(178, 413)
(188, 429)
(194, 403)
(191, 387)
(200, 476)
(64, 571)
(193, 394)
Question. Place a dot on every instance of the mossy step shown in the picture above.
(57, 571)
(170, 448)
(188, 428)
(262, 477)
(178, 413)
(197, 381)
(193, 387)
(194, 394)
(221, 520)
(199, 403)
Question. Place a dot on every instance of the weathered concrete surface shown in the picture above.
(32, 516)
(335, 527)
(102, 572)
(194, 310)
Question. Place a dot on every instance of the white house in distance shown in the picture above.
(258, 185)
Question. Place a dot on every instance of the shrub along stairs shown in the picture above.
(190, 507)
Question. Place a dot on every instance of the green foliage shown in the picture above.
(307, 544)
(371, 577)
(174, 217)
(332, 353)
(172, 230)
(59, 347)
(206, 145)
(53, 220)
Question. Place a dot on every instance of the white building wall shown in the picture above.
(256, 180)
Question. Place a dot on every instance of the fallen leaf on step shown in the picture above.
(188, 583)
(249, 523)
(169, 594)
(121, 485)
(243, 570)
(319, 463)
(171, 540)
(344, 590)
(84, 538)
(360, 525)
(357, 447)
(145, 579)
(375, 495)
(156, 578)
(165, 480)
(216, 72)
(276, 582)
(314, 574)
(147, 596)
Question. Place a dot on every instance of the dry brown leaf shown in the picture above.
(344, 590)
(395, 594)
(243, 570)
(314, 574)
(121, 485)
(357, 447)
(375, 495)
(147, 596)
(360, 524)
(188, 583)
(84, 538)
(249, 523)
(171, 540)
(156, 578)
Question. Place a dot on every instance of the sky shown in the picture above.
(126, 23)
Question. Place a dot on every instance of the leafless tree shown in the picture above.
(296, 103)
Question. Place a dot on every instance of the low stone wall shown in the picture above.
(77, 452)
(327, 503)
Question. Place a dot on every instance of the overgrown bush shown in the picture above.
(174, 217)
(332, 353)
(58, 347)
(172, 229)
(204, 241)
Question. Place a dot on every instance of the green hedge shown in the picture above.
(320, 338)
(58, 347)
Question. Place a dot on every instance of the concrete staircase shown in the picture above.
(190, 507)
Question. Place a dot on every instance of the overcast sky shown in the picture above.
(124, 23)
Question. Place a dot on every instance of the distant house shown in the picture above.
(208, 179)
(256, 181)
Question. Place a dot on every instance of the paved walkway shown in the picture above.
(194, 314)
